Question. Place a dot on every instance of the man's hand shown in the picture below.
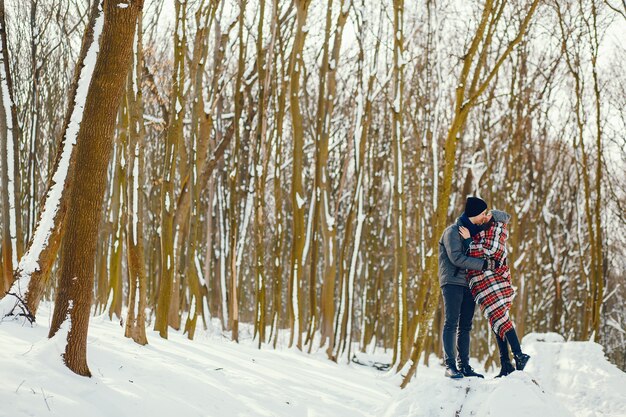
(464, 232)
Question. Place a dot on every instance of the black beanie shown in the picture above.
(474, 206)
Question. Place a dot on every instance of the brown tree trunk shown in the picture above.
(328, 89)
(401, 350)
(168, 285)
(265, 71)
(296, 66)
(6, 137)
(136, 316)
(9, 134)
(93, 151)
(115, 223)
(277, 249)
(234, 182)
(34, 269)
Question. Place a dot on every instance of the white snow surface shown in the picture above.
(562, 379)
(212, 376)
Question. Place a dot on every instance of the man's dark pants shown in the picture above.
(459, 309)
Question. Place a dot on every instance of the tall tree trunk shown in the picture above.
(9, 161)
(115, 223)
(296, 65)
(327, 302)
(594, 278)
(277, 250)
(136, 315)
(401, 348)
(34, 268)
(93, 151)
(168, 285)
(598, 295)
(234, 181)
(201, 125)
(326, 219)
(265, 65)
(356, 216)
(34, 110)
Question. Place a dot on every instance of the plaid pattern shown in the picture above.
(492, 290)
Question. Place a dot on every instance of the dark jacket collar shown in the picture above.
(474, 229)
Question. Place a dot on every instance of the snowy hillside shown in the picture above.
(212, 376)
(562, 379)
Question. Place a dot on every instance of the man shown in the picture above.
(457, 298)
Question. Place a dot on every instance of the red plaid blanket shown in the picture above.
(492, 290)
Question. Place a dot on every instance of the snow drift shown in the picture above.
(562, 379)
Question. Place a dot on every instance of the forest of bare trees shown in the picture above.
(287, 167)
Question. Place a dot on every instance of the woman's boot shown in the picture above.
(506, 369)
(505, 362)
(521, 360)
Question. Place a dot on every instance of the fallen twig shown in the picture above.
(19, 386)
(45, 399)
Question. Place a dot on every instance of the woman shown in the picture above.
(492, 289)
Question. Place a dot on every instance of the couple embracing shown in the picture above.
(473, 270)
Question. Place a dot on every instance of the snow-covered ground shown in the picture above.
(562, 379)
(212, 376)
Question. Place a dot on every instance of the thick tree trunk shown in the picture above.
(93, 151)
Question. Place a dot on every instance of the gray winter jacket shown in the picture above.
(453, 261)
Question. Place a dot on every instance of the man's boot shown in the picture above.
(521, 359)
(507, 368)
(468, 371)
(452, 372)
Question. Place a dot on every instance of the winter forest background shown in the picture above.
(292, 165)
